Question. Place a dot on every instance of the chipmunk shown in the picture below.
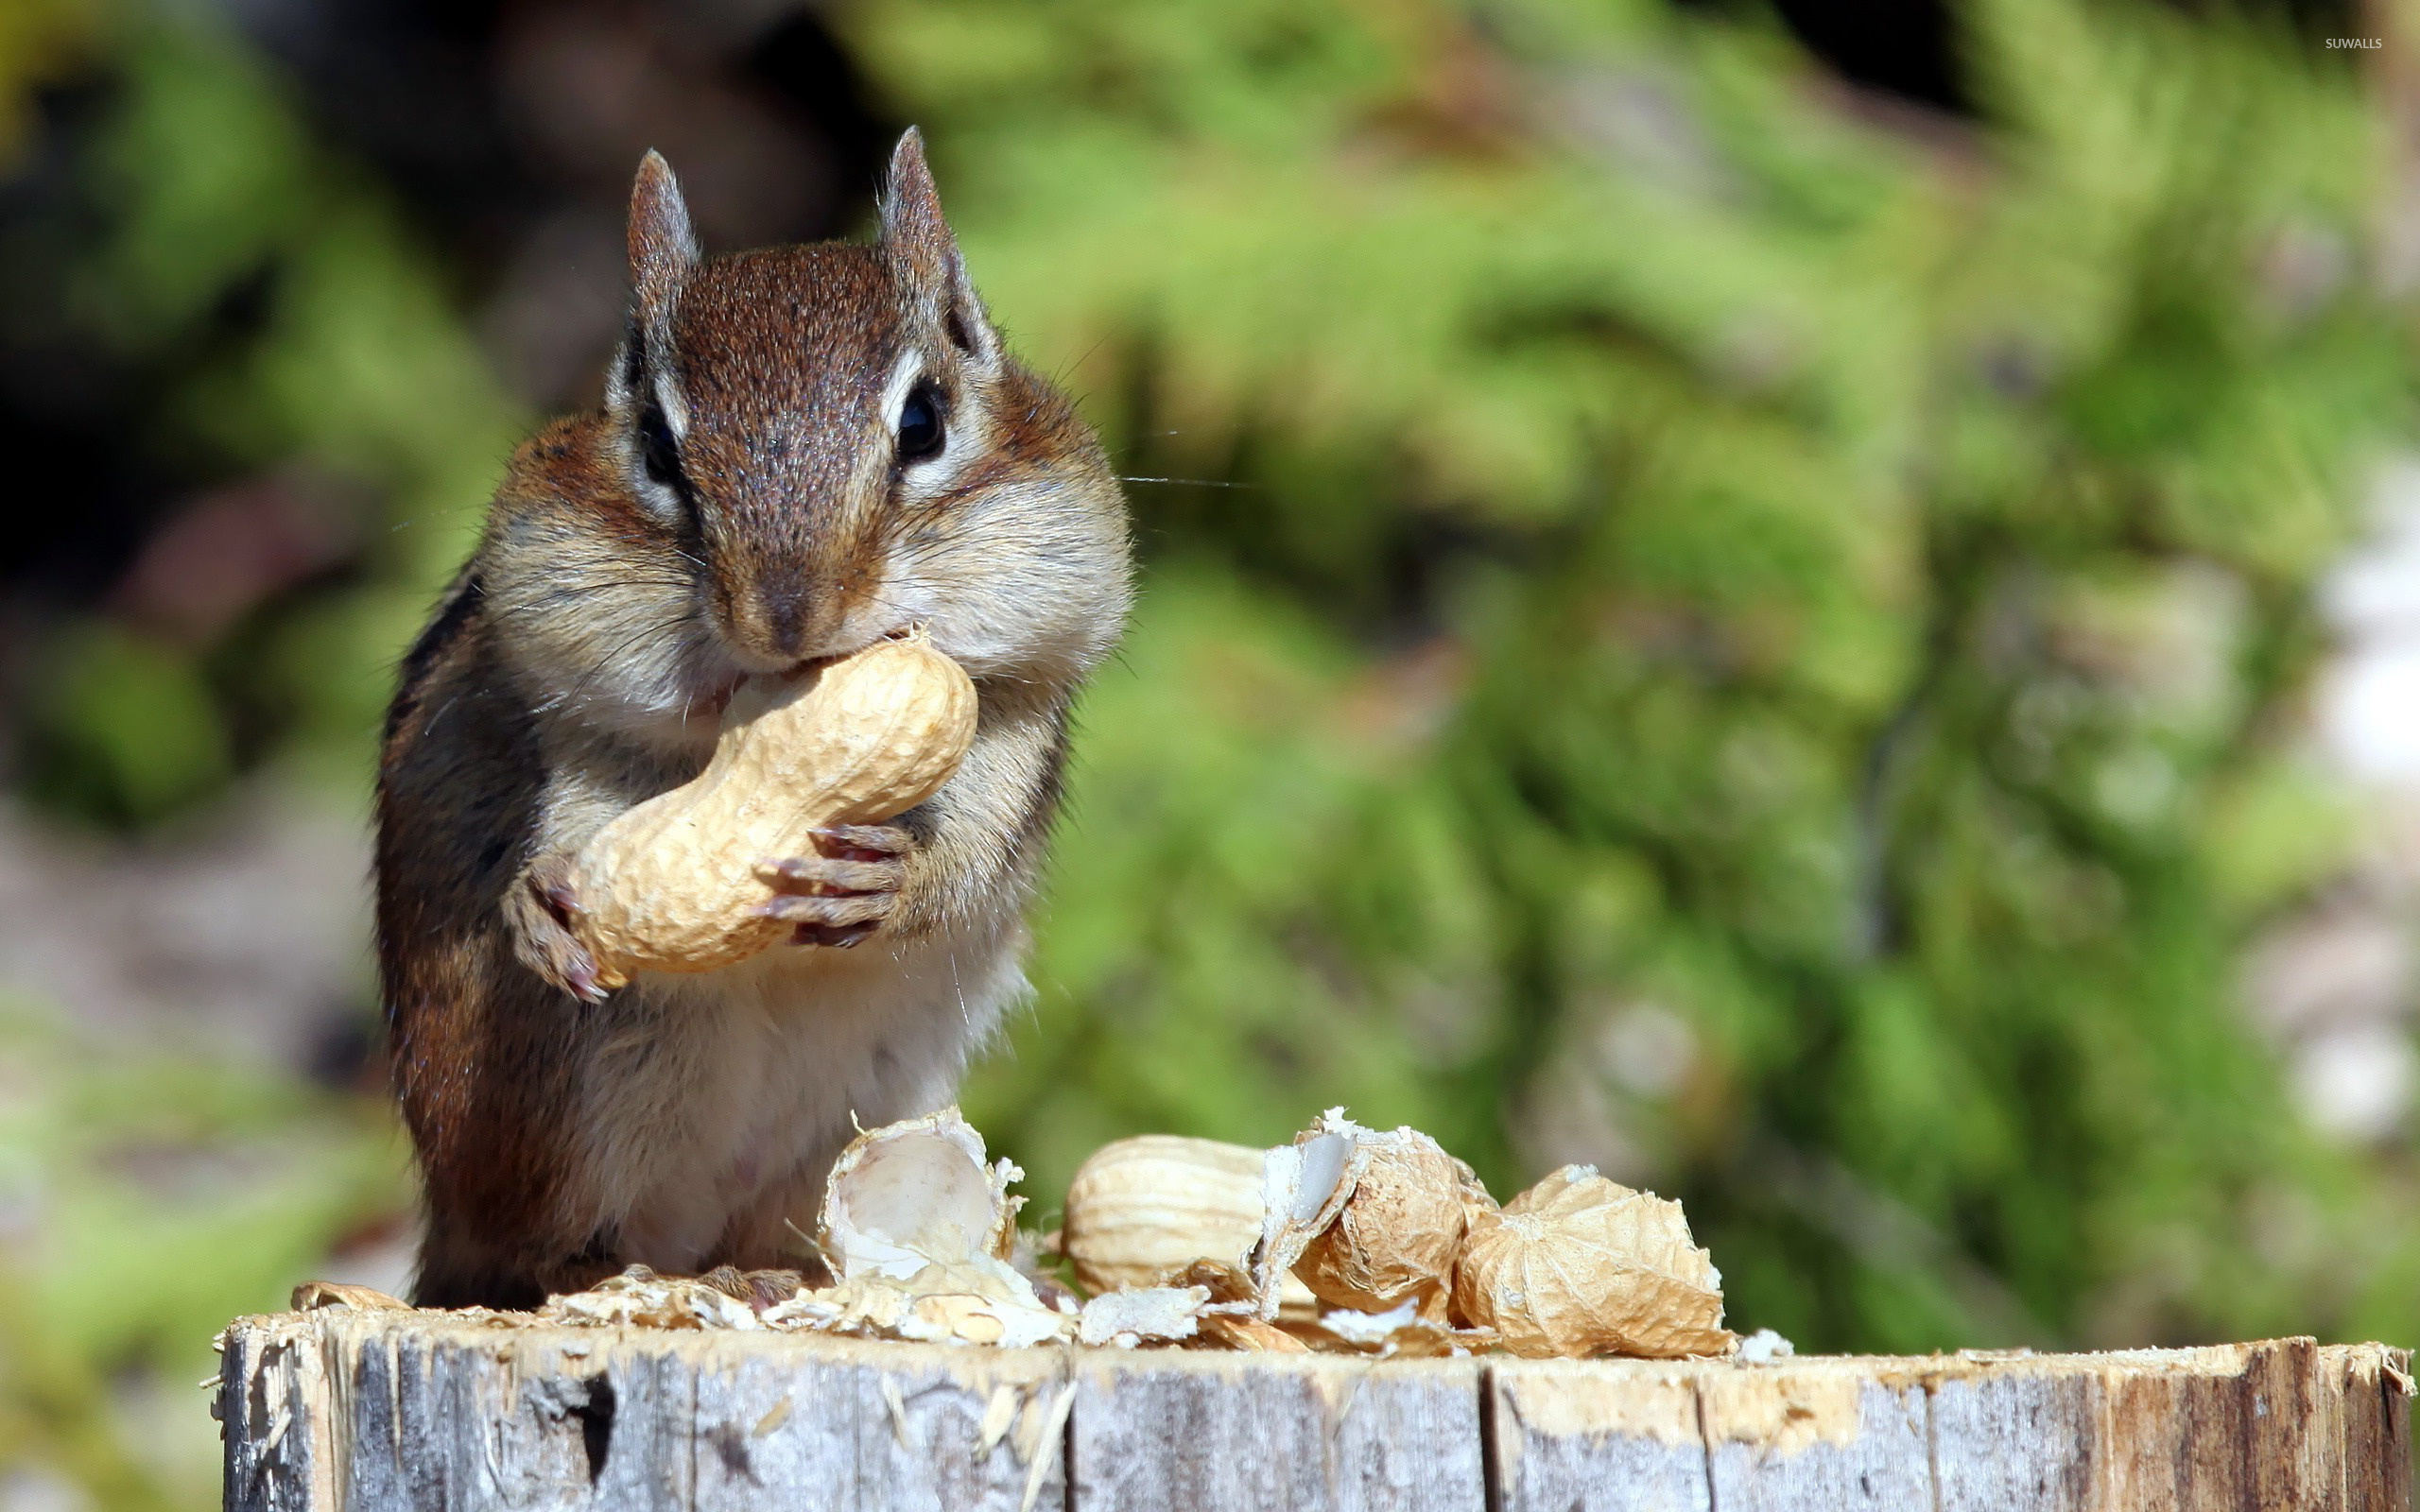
(802, 449)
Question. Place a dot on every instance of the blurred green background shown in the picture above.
(1802, 605)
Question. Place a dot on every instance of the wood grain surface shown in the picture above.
(383, 1412)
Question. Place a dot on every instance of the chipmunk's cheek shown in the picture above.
(894, 606)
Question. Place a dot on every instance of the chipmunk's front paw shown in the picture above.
(540, 909)
(845, 892)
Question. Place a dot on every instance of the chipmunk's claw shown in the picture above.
(840, 937)
(875, 840)
(818, 875)
(579, 974)
(832, 910)
(545, 940)
(844, 892)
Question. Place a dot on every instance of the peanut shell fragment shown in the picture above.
(917, 1226)
(915, 1193)
(1304, 1186)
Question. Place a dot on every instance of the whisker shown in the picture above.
(575, 591)
(662, 627)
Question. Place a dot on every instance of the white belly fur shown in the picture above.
(734, 1090)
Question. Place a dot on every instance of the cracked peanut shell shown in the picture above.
(1396, 1237)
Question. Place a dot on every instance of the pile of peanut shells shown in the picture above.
(1360, 1239)
(1347, 1239)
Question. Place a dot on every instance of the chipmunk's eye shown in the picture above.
(919, 425)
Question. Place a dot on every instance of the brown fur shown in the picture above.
(579, 665)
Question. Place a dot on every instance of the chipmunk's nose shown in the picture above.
(797, 603)
(790, 617)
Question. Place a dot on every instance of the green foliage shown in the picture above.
(147, 1198)
(362, 367)
(361, 375)
(1234, 777)
(127, 728)
(1872, 577)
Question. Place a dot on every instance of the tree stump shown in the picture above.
(375, 1411)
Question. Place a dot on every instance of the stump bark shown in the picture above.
(376, 1411)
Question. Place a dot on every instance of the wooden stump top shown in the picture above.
(375, 1411)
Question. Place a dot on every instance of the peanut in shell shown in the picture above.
(1580, 1265)
(1143, 1210)
(674, 885)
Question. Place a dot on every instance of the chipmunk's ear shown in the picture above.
(926, 250)
(663, 247)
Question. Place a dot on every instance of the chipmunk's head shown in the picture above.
(827, 444)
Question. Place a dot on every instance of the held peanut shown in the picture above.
(672, 885)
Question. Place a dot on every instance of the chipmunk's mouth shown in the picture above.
(715, 673)
(739, 659)
(717, 685)
(806, 664)
(715, 696)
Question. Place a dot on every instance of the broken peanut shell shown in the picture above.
(1396, 1238)
(915, 1193)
